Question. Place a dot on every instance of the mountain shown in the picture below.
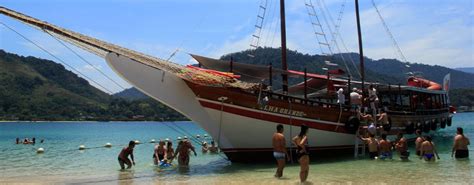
(131, 94)
(38, 89)
(466, 69)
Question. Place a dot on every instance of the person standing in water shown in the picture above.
(419, 140)
(159, 152)
(279, 150)
(385, 148)
(123, 156)
(169, 152)
(373, 145)
(428, 150)
(182, 151)
(204, 147)
(17, 140)
(402, 147)
(460, 149)
(302, 153)
(213, 148)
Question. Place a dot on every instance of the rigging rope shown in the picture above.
(337, 33)
(333, 36)
(394, 42)
(54, 56)
(86, 61)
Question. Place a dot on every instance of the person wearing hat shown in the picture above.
(182, 151)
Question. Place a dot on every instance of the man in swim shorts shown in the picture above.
(123, 156)
(279, 150)
(460, 145)
(385, 148)
(402, 147)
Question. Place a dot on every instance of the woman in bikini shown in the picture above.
(428, 150)
(302, 153)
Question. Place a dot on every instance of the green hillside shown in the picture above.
(37, 89)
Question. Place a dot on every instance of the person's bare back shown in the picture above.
(278, 142)
(461, 142)
(385, 146)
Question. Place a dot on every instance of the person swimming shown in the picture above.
(204, 147)
(123, 156)
(428, 150)
(213, 148)
(460, 149)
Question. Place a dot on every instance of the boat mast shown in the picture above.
(284, 65)
(361, 50)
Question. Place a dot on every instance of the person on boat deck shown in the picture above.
(385, 148)
(302, 153)
(279, 150)
(159, 152)
(419, 140)
(356, 100)
(341, 98)
(17, 140)
(383, 120)
(123, 156)
(213, 148)
(373, 98)
(204, 147)
(373, 145)
(428, 150)
(460, 145)
(169, 152)
(182, 152)
(402, 147)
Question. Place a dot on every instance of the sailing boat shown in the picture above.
(241, 115)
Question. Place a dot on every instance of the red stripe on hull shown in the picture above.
(273, 118)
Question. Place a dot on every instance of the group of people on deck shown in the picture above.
(378, 148)
(164, 154)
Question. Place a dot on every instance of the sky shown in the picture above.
(434, 32)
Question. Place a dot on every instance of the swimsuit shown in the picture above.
(462, 154)
(386, 155)
(299, 152)
(429, 156)
(279, 155)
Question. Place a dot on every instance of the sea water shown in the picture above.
(62, 162)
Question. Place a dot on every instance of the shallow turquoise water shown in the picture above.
(62, 162)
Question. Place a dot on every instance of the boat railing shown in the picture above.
(304, 101)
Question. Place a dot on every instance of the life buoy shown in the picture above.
(410, 128)
(352, 124)
(450, 121)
